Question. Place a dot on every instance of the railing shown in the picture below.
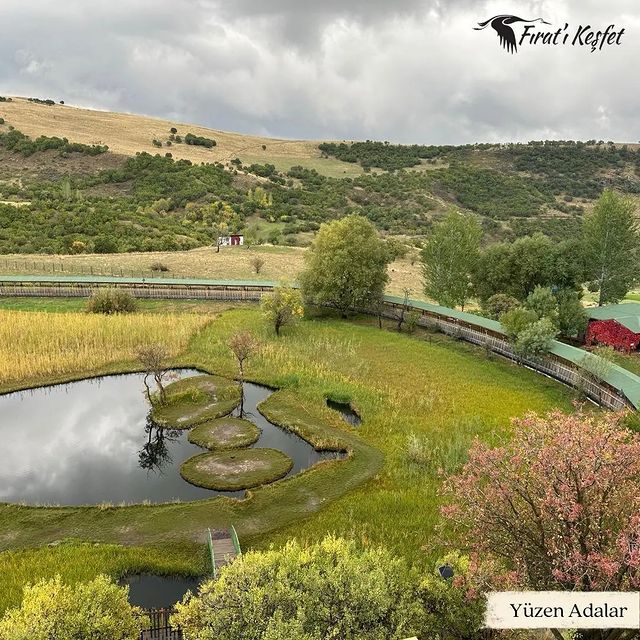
(234, 539)
(159, 627)
(212, 553)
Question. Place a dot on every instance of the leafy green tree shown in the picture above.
(535, 339)
(346, 267)
(453, 608)
(283, 306)
(572, 318)
(449, 257)
(611, 238)
(329, 590)
(543, 303)
(492, 272)
(516, 320)
(52, 610)
(498, 304)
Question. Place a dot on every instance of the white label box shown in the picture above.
(563, 610)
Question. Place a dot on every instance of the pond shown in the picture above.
(92, 442)
(158, 592)
(346, 411)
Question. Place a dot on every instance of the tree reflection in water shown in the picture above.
(155, 452)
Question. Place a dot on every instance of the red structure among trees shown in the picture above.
(612, 333)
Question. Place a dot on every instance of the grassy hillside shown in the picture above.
(126, 134)
(76, 181)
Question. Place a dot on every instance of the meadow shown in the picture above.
(423, 398)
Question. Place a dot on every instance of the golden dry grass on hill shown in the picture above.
(129, 133)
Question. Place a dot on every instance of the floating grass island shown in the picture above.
(224, 433)
(192, 401)
(237, 469)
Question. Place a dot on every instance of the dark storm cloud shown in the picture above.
(403, 70)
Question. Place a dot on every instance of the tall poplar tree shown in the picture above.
(449, 257)
(611, 237)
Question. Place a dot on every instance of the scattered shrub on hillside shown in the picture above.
(105, 244)
(48, 101)
(1, 120)
(200, 141)
(168, 155)
(156, 143)
(159, 266)
(173, 130)
(15, 140)
(109, 301)
(5, 99)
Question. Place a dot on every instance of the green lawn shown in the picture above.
(445, 392)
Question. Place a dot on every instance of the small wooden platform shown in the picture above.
(224, 551)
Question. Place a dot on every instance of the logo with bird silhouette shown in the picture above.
(502, 26)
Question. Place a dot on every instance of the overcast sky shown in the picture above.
(399, 70)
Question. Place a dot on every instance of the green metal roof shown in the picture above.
(471, 318)
(627, 314)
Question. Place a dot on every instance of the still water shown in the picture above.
(91, 442)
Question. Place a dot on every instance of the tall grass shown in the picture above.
(82, 562)
(36, 345)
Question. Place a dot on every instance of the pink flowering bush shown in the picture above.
(558, 507)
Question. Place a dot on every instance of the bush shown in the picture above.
(535, 339)
(159, 266)
(109, 301)
(173, 130)
(499, 304)
(329, 590)
(51, 609)
(200, 141)
(516, 320)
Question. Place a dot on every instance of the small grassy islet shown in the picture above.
(192, 401)
(224, 433)
(237, 469)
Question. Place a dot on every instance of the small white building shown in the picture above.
(235, 240)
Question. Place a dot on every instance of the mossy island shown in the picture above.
(195, 400)
(236, 469)
(224, 433)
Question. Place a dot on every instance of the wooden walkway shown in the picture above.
(224, 548)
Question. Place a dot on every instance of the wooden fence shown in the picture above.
(159, 627)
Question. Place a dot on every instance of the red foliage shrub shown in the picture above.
(612, 333)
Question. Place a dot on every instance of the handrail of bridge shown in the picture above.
(234, 539)
(621, 380)
(211, 553)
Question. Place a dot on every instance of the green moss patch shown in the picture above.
(192, 401)
(234, 470)
(224, 433)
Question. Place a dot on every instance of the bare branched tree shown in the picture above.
(243, 345)
(154, 358)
